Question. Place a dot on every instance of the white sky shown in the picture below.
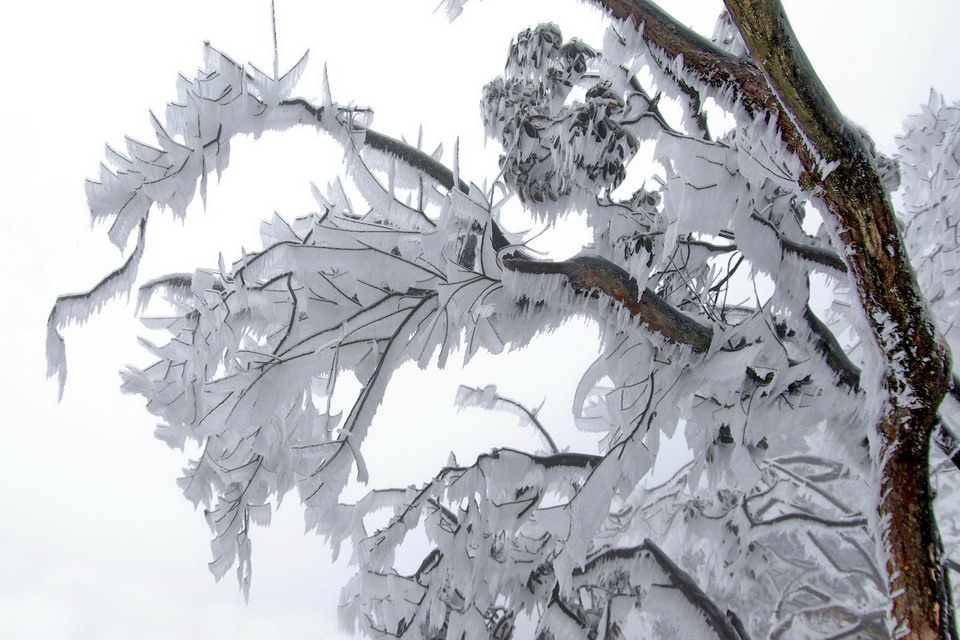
(95, 539)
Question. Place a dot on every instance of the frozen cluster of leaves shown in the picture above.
(554, 147)
(701, 288)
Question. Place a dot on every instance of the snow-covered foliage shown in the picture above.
(700, 282)
(929, 154)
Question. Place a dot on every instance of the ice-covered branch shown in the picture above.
(588, 274)
(78, 307)
(916, 359)
(828, 346)
(416, 158)
(802, 517)
(722, 624)
(815, 254)
(488, 398)
(719, 623)
(408, 154)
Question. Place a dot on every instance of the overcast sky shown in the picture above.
(95, 539)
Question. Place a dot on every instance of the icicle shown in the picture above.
(326, 97)
(276, 48)
(456, 162)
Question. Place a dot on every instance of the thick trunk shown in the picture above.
(915, 571)
(917, 364)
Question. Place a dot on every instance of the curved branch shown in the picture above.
(721, 624)
(78, 307)
(415, 158)
(536, 423)
(828, 346)
(412, 156)
(476, 399)
(805, 517)
(818, 255)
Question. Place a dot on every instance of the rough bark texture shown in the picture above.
(917, 364)
(591, 275)
(916, 376)
(712, 65)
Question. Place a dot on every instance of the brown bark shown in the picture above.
(590, 274)
(917, 362)
(712, 65)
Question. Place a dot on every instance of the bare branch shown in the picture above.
(475, 399)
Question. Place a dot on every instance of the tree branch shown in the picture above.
(410, 155)
(476, 399)
(721, 624)
(682, 580)
(836, 358)
(818, 255)
(917, 361)
(590, 274)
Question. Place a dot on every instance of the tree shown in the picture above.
(704, 287)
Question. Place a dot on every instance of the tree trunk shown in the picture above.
(917, 369)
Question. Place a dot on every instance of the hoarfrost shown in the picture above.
(699, 287)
